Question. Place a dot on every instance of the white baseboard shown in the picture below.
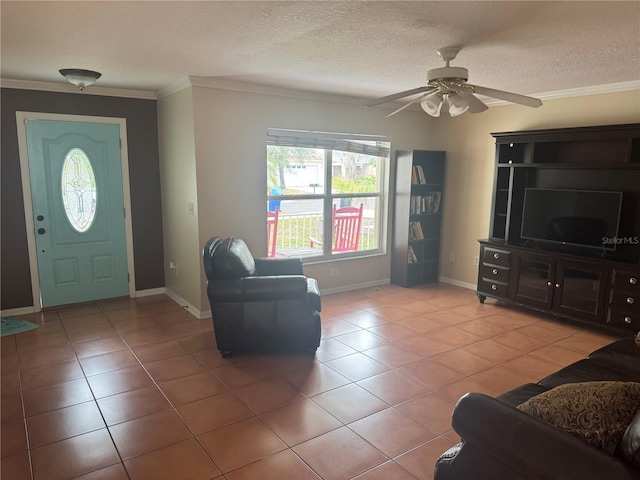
(457, 283)
(186, 305)
(151, 292)
(12, 312)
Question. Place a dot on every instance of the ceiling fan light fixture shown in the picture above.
(457, 104)
(79, 77)
(432, 104)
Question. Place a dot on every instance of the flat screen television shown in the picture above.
(580, 218)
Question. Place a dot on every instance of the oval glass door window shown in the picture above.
(79, 193)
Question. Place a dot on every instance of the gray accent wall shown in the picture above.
(144, 179)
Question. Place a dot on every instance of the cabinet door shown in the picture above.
(579, 290)
(534, 280)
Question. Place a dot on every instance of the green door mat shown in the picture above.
(11, 326)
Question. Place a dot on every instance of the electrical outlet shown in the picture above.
(452, 257)
(476, 260)
(173, 266)
(334, 272)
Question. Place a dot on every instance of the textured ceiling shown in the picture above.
(363, 49)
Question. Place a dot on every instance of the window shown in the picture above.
(328, 190)
(79, 194)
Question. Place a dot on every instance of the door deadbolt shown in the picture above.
(41, 231)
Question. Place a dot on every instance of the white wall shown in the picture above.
(178, 183)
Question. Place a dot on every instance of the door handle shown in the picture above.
(41, 230)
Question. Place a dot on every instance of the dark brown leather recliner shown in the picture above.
(260, 303)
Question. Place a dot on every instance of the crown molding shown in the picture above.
(209, 82)
(68, 88)
(174, 87)
(592, 90)
(576, 92)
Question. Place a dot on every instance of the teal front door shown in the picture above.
(75, 173)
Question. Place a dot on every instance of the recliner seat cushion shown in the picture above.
(597, 412)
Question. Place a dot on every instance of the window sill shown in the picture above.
(342, 257)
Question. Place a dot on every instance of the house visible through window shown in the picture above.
(328, 190)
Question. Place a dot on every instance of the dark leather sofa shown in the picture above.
(260, 303)
(501, 442)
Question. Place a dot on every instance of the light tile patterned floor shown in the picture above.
(135, 389)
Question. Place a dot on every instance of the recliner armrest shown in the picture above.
(258, 289)
(278, 266)
(530, 447)
(280, 287)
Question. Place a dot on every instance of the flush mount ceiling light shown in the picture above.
(79, 77)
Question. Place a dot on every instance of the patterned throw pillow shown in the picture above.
(597, 412)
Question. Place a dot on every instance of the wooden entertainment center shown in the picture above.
(595, 285)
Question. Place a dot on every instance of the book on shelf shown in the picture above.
(425, 204)
(417, 175)
(415, 231)
(437, 197)
(412, 255)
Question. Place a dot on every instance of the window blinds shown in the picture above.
(375, 145)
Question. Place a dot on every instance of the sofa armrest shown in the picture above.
(258, 289)
(278, 266)
(530, 447)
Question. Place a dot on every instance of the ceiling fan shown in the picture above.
(447, 90)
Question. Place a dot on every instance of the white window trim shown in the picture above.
(333, 141)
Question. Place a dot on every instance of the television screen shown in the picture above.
(582, 218)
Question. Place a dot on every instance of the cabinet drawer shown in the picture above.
(626, 281)
(625, 300)
(493, 288)
(623, 319)
(496, 257)
(495, 274)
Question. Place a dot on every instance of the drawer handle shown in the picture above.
(494, 271)
(627, 320)
(633, 280)
(630, 300)
(496, 256)
(494, 287)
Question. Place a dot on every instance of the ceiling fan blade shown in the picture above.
(508, 96)
(408, 104)
(396, 96)
(475, 104)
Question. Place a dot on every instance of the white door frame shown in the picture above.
(21, 118)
